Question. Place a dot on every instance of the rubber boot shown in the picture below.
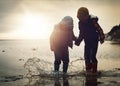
(65, 67)
(94, 69)
(56, 67)
(56, 70)
(88, 67)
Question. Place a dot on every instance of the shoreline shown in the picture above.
(107, 78)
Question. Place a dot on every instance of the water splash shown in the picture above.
(36, 66)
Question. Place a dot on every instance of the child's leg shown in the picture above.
(65, 65)
(93, 54)
(87, 57)
(57, 62)
(93, 57)
(65, 60)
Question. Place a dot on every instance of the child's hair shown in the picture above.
(83, 13)
(68, 19)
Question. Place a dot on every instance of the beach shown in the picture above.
(30, 63)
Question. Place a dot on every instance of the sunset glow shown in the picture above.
(35, 19)
(33, 26)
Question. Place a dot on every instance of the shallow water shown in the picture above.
(20, 59)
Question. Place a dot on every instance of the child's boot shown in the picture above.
(88, 68)
(65, 68)
(56, 70)
(94, 69)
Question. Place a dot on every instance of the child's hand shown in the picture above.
(101, 41)
(77, 43)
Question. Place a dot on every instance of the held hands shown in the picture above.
(101, 41)
(77, 42)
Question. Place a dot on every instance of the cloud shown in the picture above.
(12, 10)
(6, 8)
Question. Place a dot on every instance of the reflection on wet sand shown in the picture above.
(65, 82)
(91, 81)
(107, 78)
(40, 62)
(37, 81)
(57, 82)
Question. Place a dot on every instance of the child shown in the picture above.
(91, 32)
(61, 38)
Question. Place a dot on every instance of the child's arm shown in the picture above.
(51, 42)
(100, 31)
(74, 38)
(80, 38)
(52, 36)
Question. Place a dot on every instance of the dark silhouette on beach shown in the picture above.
(91, 33)
(61, 38)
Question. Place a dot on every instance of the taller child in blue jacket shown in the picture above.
(91, 32)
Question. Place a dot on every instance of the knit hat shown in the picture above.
(68, 20)
(83, 14)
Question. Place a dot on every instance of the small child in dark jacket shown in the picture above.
(91, 32)
(61, 38)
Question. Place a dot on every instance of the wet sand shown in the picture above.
(20, 62)
(77, 78)
(107, 78)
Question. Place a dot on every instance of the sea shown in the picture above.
(22, 59)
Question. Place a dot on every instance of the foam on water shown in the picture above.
(38, 61)
(39, 72)
(36, 66)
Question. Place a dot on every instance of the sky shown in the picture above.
(35, 19)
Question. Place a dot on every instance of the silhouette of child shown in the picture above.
(61, 38)
(91, 32)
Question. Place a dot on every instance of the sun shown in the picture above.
(34, 26)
